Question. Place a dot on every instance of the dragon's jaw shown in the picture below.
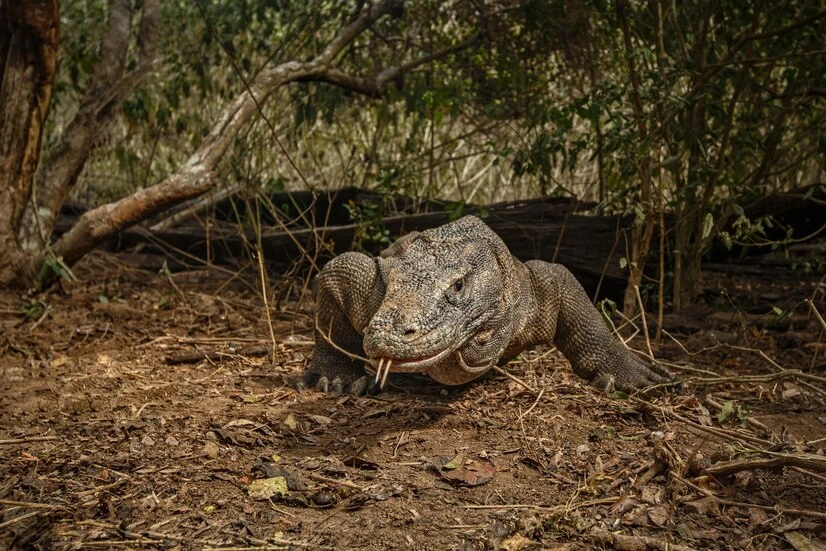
(384, 364)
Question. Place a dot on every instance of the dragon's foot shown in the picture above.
(634, 375)
(361, 386)
(326, 376)
(357, 382)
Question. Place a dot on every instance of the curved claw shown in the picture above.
(338, 385)
(374, 388)
(323, 384)
(660, 374)
(606, 382)
(359, 386)
(655, 374)
(364, 386)
(643, 375)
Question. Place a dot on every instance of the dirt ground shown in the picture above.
(144, 411)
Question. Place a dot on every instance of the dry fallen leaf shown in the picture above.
(801, 542)
(291, 422)
(517, 542)
(705, 505)
(456, 462)
(790, 392)
(265, 488)
(320, 419)
(474, 473)
(757, 517)
(28, 457)
(658, 515)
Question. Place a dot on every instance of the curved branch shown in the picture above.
(349, 33)
(196, 176)
(375, 86)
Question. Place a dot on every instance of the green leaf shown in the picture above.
(725, 237)
(726, 412)
(708, 225)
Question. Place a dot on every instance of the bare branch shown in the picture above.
(814, 18)
(358, 26)
(196, 176)
(774, 461)
(375, 86)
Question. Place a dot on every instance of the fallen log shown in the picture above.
(542, 229)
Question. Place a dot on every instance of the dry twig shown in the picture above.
(19, 518)
(26, 440)
(817, 315)
(774, 461)
(730, 503)
(624, 542)
(514, 378)
(643, 322)
(552, 509)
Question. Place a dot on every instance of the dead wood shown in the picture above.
(801, 210)
(540, 229)
(774, 461)
(197, 176)
(636, 543)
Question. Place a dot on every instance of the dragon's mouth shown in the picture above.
(383, 364)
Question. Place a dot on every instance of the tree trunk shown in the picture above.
(111, 85)
(643, 229)
(29, 37)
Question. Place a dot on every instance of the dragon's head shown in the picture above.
(446, 310)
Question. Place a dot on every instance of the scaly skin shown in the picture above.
(451, 303)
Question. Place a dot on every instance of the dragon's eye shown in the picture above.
(458, 285)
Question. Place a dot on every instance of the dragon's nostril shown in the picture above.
(409, 332)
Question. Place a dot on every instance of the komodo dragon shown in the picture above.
(451, 303)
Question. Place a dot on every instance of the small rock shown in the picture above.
(147, 441)
(323, 499)
(210, 450)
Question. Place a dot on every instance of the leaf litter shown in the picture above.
(103, 441)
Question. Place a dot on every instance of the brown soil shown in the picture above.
(137, 411)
